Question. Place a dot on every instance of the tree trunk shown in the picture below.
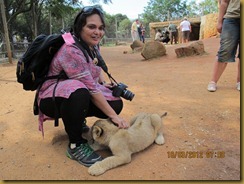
(6, 31)
(34, 19)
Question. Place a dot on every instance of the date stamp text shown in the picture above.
(196, 154)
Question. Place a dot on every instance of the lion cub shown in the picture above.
(144, 130)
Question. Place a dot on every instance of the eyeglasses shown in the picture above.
(89, 10)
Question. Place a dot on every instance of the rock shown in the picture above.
(136, 43)
(153, 49)
(195, 48)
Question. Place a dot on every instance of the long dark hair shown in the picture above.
(80, 20)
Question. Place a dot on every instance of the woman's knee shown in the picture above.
(80, 99)
(81, 93)
(117, 106)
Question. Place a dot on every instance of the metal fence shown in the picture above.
(17, 49)
(115, 40)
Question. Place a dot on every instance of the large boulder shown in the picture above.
(194, 48)
(136, 45)
(153, 49)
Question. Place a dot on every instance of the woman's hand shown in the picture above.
(120, 122)
(109, 85)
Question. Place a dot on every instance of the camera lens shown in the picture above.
(128, 95)
(120, 90)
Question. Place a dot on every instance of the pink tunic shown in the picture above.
(81, 74)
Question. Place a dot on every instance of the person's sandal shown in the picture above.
(84, 154)
(212, 86)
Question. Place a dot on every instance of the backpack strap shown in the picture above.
(62, 75)
(70, 39)
(77, 43)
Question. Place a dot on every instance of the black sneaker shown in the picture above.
(84, 154)
(85, 128)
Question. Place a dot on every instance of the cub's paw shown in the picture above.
(159, 139)
(96, 169)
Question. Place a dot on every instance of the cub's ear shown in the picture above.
(165, 114)
(98, 131)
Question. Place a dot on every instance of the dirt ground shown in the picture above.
(199, 123)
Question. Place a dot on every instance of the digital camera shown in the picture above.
(120, 90)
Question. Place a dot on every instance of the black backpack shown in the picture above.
(32, 67)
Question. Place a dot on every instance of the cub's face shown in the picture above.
(102, 130)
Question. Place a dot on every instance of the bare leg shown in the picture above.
(238, 71)
(238, 84)
(219, 68)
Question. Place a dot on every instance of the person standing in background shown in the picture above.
(185, 27)
(173, 33)
(134, 31)
(14, 40)
(25, 42)
(141, 32)
(228, 26)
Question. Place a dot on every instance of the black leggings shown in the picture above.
(74, 110)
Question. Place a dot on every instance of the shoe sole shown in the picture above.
(82, 163)
(73, 158)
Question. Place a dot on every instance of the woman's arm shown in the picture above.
(99, 100)
(77, 68)
(101, 79)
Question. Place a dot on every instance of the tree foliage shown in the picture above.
(203, 8)
(31, 17)
(124, 28)
(209, 6)
(163, 10)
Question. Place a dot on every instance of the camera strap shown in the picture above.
(102, 64)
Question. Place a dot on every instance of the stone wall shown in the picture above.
(208, 26)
